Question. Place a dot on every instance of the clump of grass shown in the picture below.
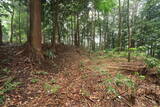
(118, 81)
(112, 90)
(51, 89)
(8, 86)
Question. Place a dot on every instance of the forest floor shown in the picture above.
(75, 78)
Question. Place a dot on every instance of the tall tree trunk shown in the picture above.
(100, 31)
(94, 36)
(12, 17)
(120, 28)
(55, 25)
(129, 35)
(1, 35)
(113, 40)
(77, 36)
(29, 24)
(20, 40)
(93, 31)
(88, 31)
(72, 29)
(113, 35)
(75, 33)
(106, 33)
(36, 36)
(78, 30)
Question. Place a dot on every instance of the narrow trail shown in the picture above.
(77, 80)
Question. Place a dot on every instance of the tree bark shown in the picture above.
(36, 37)
(1, 35)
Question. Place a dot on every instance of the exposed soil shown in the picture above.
(79, 78)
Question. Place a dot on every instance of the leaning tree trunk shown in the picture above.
(1, 32)
(36, 36)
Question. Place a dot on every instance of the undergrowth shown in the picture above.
(113, 84)
(7, 86)
(51, 89)
(139, 53)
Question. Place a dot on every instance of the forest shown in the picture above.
(80, 53)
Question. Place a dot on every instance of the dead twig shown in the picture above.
(20, 52)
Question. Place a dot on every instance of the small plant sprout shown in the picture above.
(103, 72)
(6, 70)
(81, 66)
(142, 77)
(53, 81)
(85, 92)
(34, 80)
(84, 76)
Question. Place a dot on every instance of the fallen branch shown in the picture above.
(124, 101)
